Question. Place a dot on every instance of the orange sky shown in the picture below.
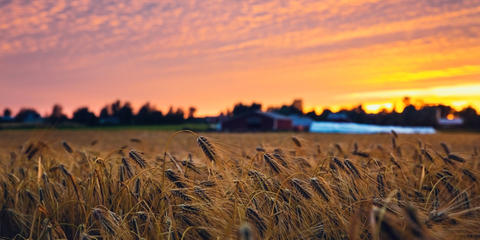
(212, 54)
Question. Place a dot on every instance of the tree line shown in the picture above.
(116, 113)
(411, 115)
(122, 113)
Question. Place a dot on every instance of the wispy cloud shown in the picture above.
(360, 44)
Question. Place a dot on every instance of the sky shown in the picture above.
(213, 54)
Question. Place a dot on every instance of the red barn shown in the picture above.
(257, 121)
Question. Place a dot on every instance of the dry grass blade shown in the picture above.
(292, 192)
(339, 148)
(394, 143)
(107, 220)
(271, 162)
(127, 167)
(454, 157)
(320, 188)
(352, 168)
(191, 166)
(207, 148)
(394, 133)
(201, 194)
(469, 174)
(134, 155)
(181, 194)
(278, 154)
(427, 155)
(173, 177)
(260, 149)
(71, 178)
(381, 185)
(136, 191)
(135, 140)
(392, 159)
(259, 179)
(245, 232)
(67, 147)
(258, 221)
(445, 147)
(298, 185)
(296, 141)
(338, 163)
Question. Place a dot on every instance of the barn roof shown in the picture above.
(274, 115)
(300, 120)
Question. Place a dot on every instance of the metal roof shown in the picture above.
(273, 115)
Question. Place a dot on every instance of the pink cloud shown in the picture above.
(163, 42)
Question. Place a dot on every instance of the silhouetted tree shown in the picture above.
(313, 115)
(180, 114)
(148, 115)
(445, 110)
(57, 115)
(425, 116)
(240, 108)
(144, 114)
(116, 113)
(105, 113)
(169, 117)
(174, 117)
(324, 114)
(407, 101)
(191, 112)
(298, 105)
(124, 114)
(27, 115)
(115, 108)
(408, 115)
(84, 116)
(470, 117)
(7, 113)
(296, 108)
(357, 114)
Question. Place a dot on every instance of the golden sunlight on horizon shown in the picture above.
(457, 96)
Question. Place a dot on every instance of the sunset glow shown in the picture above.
(213, 54)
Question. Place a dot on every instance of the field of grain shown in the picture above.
(136, 184)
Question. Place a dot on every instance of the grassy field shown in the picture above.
(139, 183)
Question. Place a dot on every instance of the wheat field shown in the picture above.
(135, 184)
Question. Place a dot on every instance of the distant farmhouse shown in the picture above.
(257, 121)
(301, 123)
(215, 123)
